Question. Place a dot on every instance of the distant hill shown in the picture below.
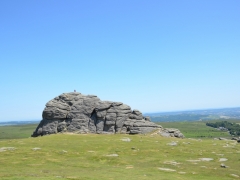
(196, 115)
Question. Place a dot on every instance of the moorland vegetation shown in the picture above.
(119, 156)
(233, 128)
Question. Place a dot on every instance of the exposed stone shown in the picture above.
(2, 149)
(223, 139)
(77, 113)
(171, 132)
(112, 155)
(172, 144)
(222, 159)
(236, 139)
(174, 163)
(167, 169)
(234, 175)
(206, 159)
(147, 118)
(223, 165)
(126, 139)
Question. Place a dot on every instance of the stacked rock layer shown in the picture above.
(77, 113)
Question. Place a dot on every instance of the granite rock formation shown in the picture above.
(77, 113)
(171, 132)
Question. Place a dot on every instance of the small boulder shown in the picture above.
(112, 155)
(126, 139)
(171, 132)
(223, 166)
(172, 144)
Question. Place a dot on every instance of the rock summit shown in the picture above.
(77, 113)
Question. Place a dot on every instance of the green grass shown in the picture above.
(139, 159)
(17, 131)
(196, 129)
(68, 156)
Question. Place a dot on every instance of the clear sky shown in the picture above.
(156, 56)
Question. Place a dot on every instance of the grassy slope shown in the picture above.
(17, 132)
(139, 159)
(196, 129)
(85, 158)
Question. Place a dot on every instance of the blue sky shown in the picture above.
(156, 56)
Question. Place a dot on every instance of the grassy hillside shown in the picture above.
(85, 157)
(195, 129)
(92, 156)
(17, 131)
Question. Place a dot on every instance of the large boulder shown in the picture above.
(77, 113)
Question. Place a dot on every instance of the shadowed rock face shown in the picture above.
(74, 112)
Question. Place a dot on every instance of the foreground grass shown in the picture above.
(84, 157)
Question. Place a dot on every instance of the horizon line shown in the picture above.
(190, 110)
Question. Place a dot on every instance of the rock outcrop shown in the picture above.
(236, 139)
(171, 132)
(77, 113)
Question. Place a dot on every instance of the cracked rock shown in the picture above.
(77, 113)
(171, 132)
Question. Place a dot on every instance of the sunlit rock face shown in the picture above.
(77, 113)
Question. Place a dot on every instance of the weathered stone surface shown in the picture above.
(77, 113)
(49, 127)
(171, 132)
(147, 118)
(141, 130)
(237, 139)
